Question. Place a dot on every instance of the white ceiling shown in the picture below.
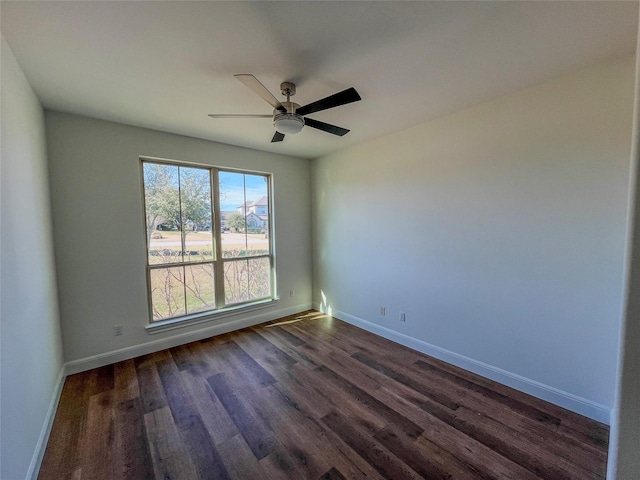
(166, 65)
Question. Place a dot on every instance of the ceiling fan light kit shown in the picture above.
(288, 117)
(288, 123)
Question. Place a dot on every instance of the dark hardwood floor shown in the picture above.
(309, 397)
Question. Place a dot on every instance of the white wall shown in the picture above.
(100, 241)
(499, 230)
(624, 442)
(30, 344)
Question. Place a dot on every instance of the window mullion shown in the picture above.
(182, 239)
(219, 266)
(246, 211)
(270, 230)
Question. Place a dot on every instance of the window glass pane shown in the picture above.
(195, 219)
(167, 292)
(199, 283)
(232, 214)
(257, 214)
(162, 204)
(247, 279)
(236, 285)
(259, 278)
(244, 212)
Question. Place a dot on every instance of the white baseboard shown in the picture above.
(43, 438)
(550, 394)
(229, 325)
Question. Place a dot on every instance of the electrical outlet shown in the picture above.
(292, 293)
(402, 317)
(117, 330)
(383, 311)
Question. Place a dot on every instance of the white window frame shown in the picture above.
(221, 310)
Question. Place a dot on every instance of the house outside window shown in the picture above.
(204, 253)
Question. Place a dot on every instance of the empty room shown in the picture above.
(320, 240)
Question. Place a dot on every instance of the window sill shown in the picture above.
(195, 319)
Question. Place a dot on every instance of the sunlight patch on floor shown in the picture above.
(306, 316)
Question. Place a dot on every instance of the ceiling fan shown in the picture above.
(289, 117)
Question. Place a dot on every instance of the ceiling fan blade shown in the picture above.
(258, 88)
(239, 115)
(325, 127)
(342, 98)
(277, 137)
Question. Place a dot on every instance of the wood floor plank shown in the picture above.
(411, 381)
(132, 459)
(429, 460)
(344, 365)
(100, 380)
(528, 421)
(214, 416)
(126, 380)
(288, 337)
(170, 459)
(253, 430)
(502, 440)
(317, 337)
(230, 357)
(151, 391)
(267, 355)
(274, 335)
(183, 357)
(584, 429)
(510, 402)
(313, 448)
(61, 454)
(596, 438)
(200, 361)
(197, 442)
(336, 398)
(308, 396)
(239, 460)
(381, 410)
(478, 456)
(332, 474)
(299, 451)
(97, 445)
(540, 456)
(281, 464)
(385, 462)
(314, 397)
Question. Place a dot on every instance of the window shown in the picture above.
(206, 249)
